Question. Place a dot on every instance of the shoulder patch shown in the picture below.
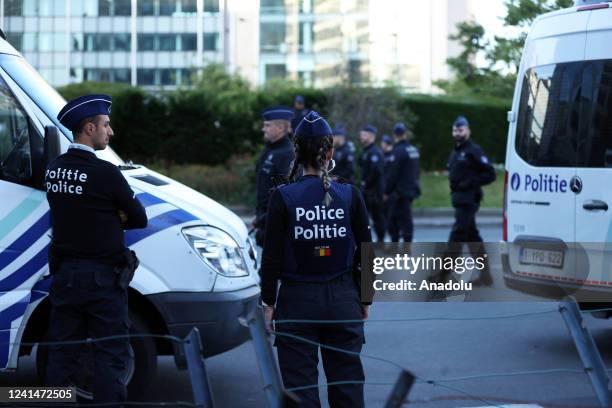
(484, 159)
(374, 158)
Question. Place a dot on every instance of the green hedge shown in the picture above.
(220, 118)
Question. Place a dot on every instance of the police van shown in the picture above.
(198, 266)
(557, 218)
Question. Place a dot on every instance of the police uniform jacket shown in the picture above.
(307, 241)
(273, 166)
(402, 173)
(372, 171)
(85, 195)
(468, 170)
(345, 163)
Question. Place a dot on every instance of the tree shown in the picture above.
(502, 56)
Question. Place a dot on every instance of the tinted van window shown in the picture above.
(565, 117)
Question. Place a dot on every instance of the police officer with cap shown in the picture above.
(468, 170)
(402, 184)
(372, 179)
(315, 227)
(273, 164)
(386, 146)
(299, 111)
(344, 156)
(91, 204)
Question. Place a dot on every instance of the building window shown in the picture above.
(188, 6)
(13, 7)
(167, 42)
(123, 8)
(187, 76)
(276, 71)
(16, 40)
(167, 7)
(211, 6)
(146, 42)
(272, 37)
(104, 7)
(122, 42)
(122, 75)
(146, 76)
(146, 8)
(168, 76)
(211, 41)
(272, 7)
(189, 42)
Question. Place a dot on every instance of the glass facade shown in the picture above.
(75, 40)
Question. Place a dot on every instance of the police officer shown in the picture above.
(386, 146)
(274, 162)
(468, 170)
(402, 184)
(372, 179)
(91, 204)
(299, 111)
(315, 227)
(344, 156)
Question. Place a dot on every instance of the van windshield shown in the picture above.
(565, 115)
(44, 96)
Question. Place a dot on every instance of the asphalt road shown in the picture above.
(431, 349)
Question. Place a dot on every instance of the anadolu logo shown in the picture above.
(515, 181)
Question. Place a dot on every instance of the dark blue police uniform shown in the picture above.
(272, 168)
(313, 250)
(85, 196)
(298, 114)
(402, 186)
(344, 157)
(373, 184)
(468, 170)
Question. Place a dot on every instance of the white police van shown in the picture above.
(197, 262)
(558, 182)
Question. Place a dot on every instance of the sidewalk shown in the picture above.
(423, 217)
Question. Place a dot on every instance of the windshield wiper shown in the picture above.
(128, 166)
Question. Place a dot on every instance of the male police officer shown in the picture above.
(299, 111)
(91, 204)
(344, 157)
(402, 185)
(274, 162)
(468, 170)
(372, 179)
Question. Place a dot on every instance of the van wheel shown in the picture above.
(138, 375)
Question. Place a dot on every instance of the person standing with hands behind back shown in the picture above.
(315, 228)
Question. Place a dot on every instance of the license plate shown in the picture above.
(544, 257)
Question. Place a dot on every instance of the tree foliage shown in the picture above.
(502, 55)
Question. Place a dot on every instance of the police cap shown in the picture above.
(461, 121)
(277, 113)
(387, 139)
(313, 126)
(299, 99)
(399, 129)
(339, 130)
(369, 128)
(84, 107)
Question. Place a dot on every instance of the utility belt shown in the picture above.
(124, 270)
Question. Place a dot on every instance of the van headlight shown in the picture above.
(218, 249)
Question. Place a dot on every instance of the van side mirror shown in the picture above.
(53, 147)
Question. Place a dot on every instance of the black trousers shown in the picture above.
(399, 220)
(376, 210)
(464, 229)
(298, 360)
(86, 303)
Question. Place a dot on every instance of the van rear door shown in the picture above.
(594, 202)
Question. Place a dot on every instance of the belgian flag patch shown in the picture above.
(322, 251)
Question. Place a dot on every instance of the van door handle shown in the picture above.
(595, 205)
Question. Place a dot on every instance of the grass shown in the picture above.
(234, 183)
(436, 192)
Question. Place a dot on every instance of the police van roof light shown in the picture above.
(585, 5)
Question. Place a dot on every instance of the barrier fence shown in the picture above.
(278, 397)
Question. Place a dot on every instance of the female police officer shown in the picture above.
(314, 231)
